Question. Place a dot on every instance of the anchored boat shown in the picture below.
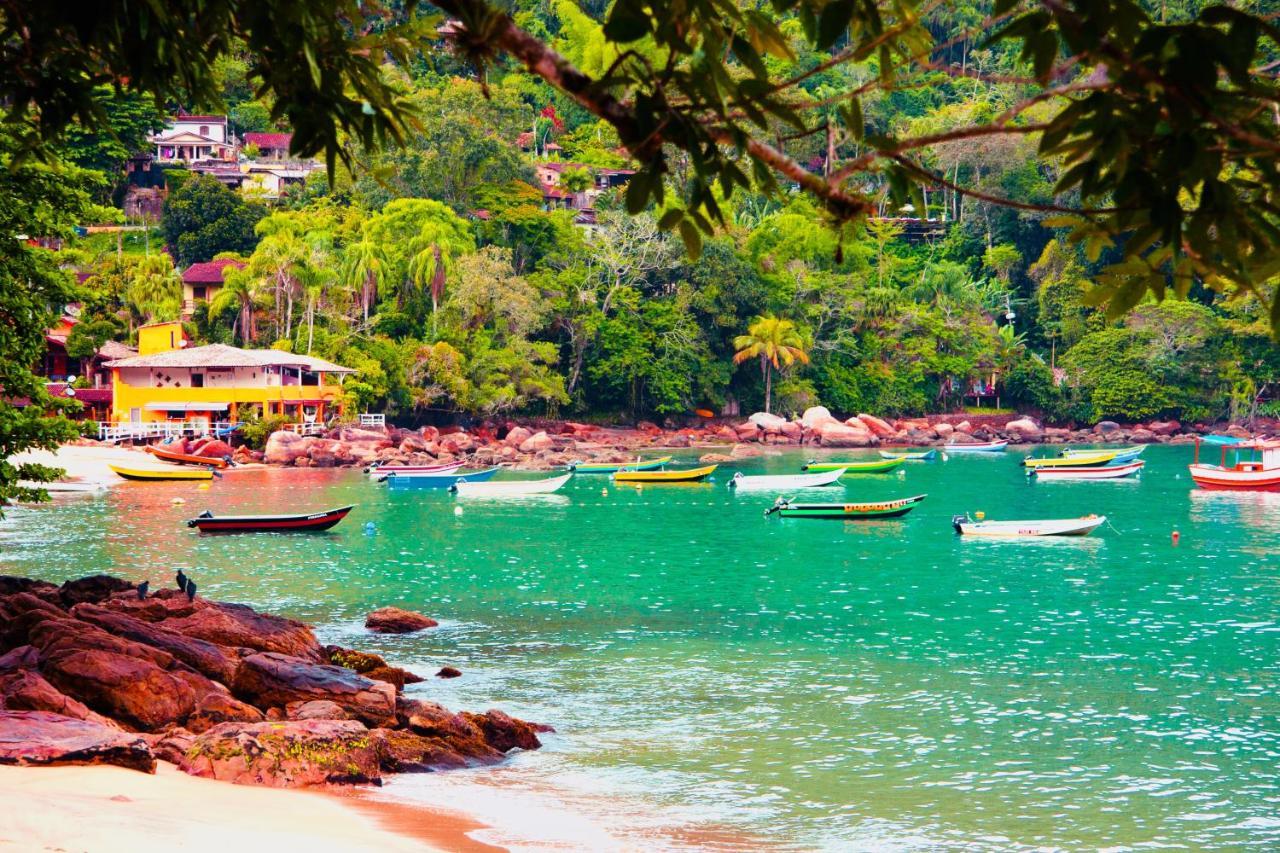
(786, 482)
(1104, 472)
(465, 488)
(867, 510)
(159, 451)
(207, 522)
(1256, 468)
(614, 467)
(922, 456)
(438, 481)
(875, 466)
(1124, 454)
(382, 472)
(981, 447)
(156, 474)
(1097, 457)
(1036, 527)
(687, 475)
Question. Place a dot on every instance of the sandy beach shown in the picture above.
(104, 809)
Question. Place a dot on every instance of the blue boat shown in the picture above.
(1220, 440)
(440, 481)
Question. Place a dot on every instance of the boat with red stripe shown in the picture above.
(207, 522)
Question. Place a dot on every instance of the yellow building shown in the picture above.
(170, 381)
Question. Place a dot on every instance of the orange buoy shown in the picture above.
(704, 413)
(1176, 537)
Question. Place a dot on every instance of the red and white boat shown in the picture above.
(381, 472)
(1256, 468)
(1099, 472)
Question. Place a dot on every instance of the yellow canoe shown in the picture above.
(162, 473)
(1079, 461)
(685, 476)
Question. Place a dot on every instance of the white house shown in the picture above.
(190, 138)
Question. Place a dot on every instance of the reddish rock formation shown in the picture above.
(28, 690)
(315, 709)
(270, 679)
(842, 435)
(237, 625)
(393, 620)
(212, 449)
(39, 738)
(218, 707)
(448, 672)
(298, 753)
(209, 659)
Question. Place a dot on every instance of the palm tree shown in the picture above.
(155, 289)
(238, 290)
(365, 270)
(776, 342)
(428, 267)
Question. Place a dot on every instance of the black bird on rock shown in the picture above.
(182, 581)
(142, 590)
(191, 590)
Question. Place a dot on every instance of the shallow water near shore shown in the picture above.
(720, 679)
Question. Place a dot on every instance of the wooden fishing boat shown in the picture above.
(687, 475)
(786, 482)
(911, 456)
(157, 474)
(1256, 468)
(207, 522)
(1098, 457)
(509, 488)
(981, 447)
(615, 467)
(383, 472)
(1034, 527)
(1102, 472)
(875, 466)
(159, 451)
(867, 510)
(438, 481)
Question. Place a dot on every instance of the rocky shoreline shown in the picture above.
(555, 444)
(96, 672)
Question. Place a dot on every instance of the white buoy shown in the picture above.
(457, 510)
(604, 493)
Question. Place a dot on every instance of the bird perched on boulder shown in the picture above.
(191, 590)
(182, 581)
(142, 590)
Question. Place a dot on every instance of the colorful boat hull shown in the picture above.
(984, 447)
(1030, 527)
(381, 474)
(849, 512)
(161, 474)
(1103, 472)
(924, 456)
(688, 475)
(439, 481)
(162, 452)
(875, 466)
(317, 521)
(509, 488)
(615, 467)
(1083, 460)
(1260, 472)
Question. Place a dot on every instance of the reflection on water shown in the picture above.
(851, 685)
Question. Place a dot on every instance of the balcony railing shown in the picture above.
(127, 430)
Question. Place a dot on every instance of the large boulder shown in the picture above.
(1105, 427)
(1164, 427)
(209, 659)
(354, 434)
(1025, 427)
(505, 733)
(1142, 436)
(28, 690)
(316, 709)
(214, 448)
(842, 435)
(394, 620)
(238, 625)
(457, 442)
(219, 707)
(746, 431)
(791, 430)
(816, 416)
(537, 442)
(517, 436)
(293, 754)
(878, 427)
(286, 447)
(40, 738)
(94, 588)
(275, 680)
(768, 423)
(944, 430)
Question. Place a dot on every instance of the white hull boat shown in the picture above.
(510, 488)
(1127, 454)
(1031, 527)
(1104, 472)
(787, 482)
(985, 447)
(382, 473)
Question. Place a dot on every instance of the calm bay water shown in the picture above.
(718, 677)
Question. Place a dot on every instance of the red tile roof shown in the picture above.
(268, 140)
(208, 272)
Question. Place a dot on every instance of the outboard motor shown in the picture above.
(957, 520)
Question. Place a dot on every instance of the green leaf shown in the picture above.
(833, 20)
(638, 191)
(692, 239)
(670, 218)
(627, 22)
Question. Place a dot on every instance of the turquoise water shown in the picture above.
(721, 679)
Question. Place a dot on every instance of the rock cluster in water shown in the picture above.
(92, 674)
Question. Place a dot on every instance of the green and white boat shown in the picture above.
(848, 512)
(615, 467)
(913, 456)
(874, 466)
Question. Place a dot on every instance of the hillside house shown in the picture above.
(202, 281)
(271, 146)
(189, 139)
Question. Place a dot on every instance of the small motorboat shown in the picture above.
(157, 474)
(615, 467)
(509, 488)
(1256, 468)
(686, 475)
(159, 451)
(1102, 472)
(868, 510)
(1123, 455)
(1036, 527)
(1097, 457)
(438, 481)
(382, 472)
(207, 522)
(875, 466)
(921, 456)
(980, 447)
(786, 482)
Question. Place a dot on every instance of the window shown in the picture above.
(204, 130)
(197, 380)
(198, 292)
